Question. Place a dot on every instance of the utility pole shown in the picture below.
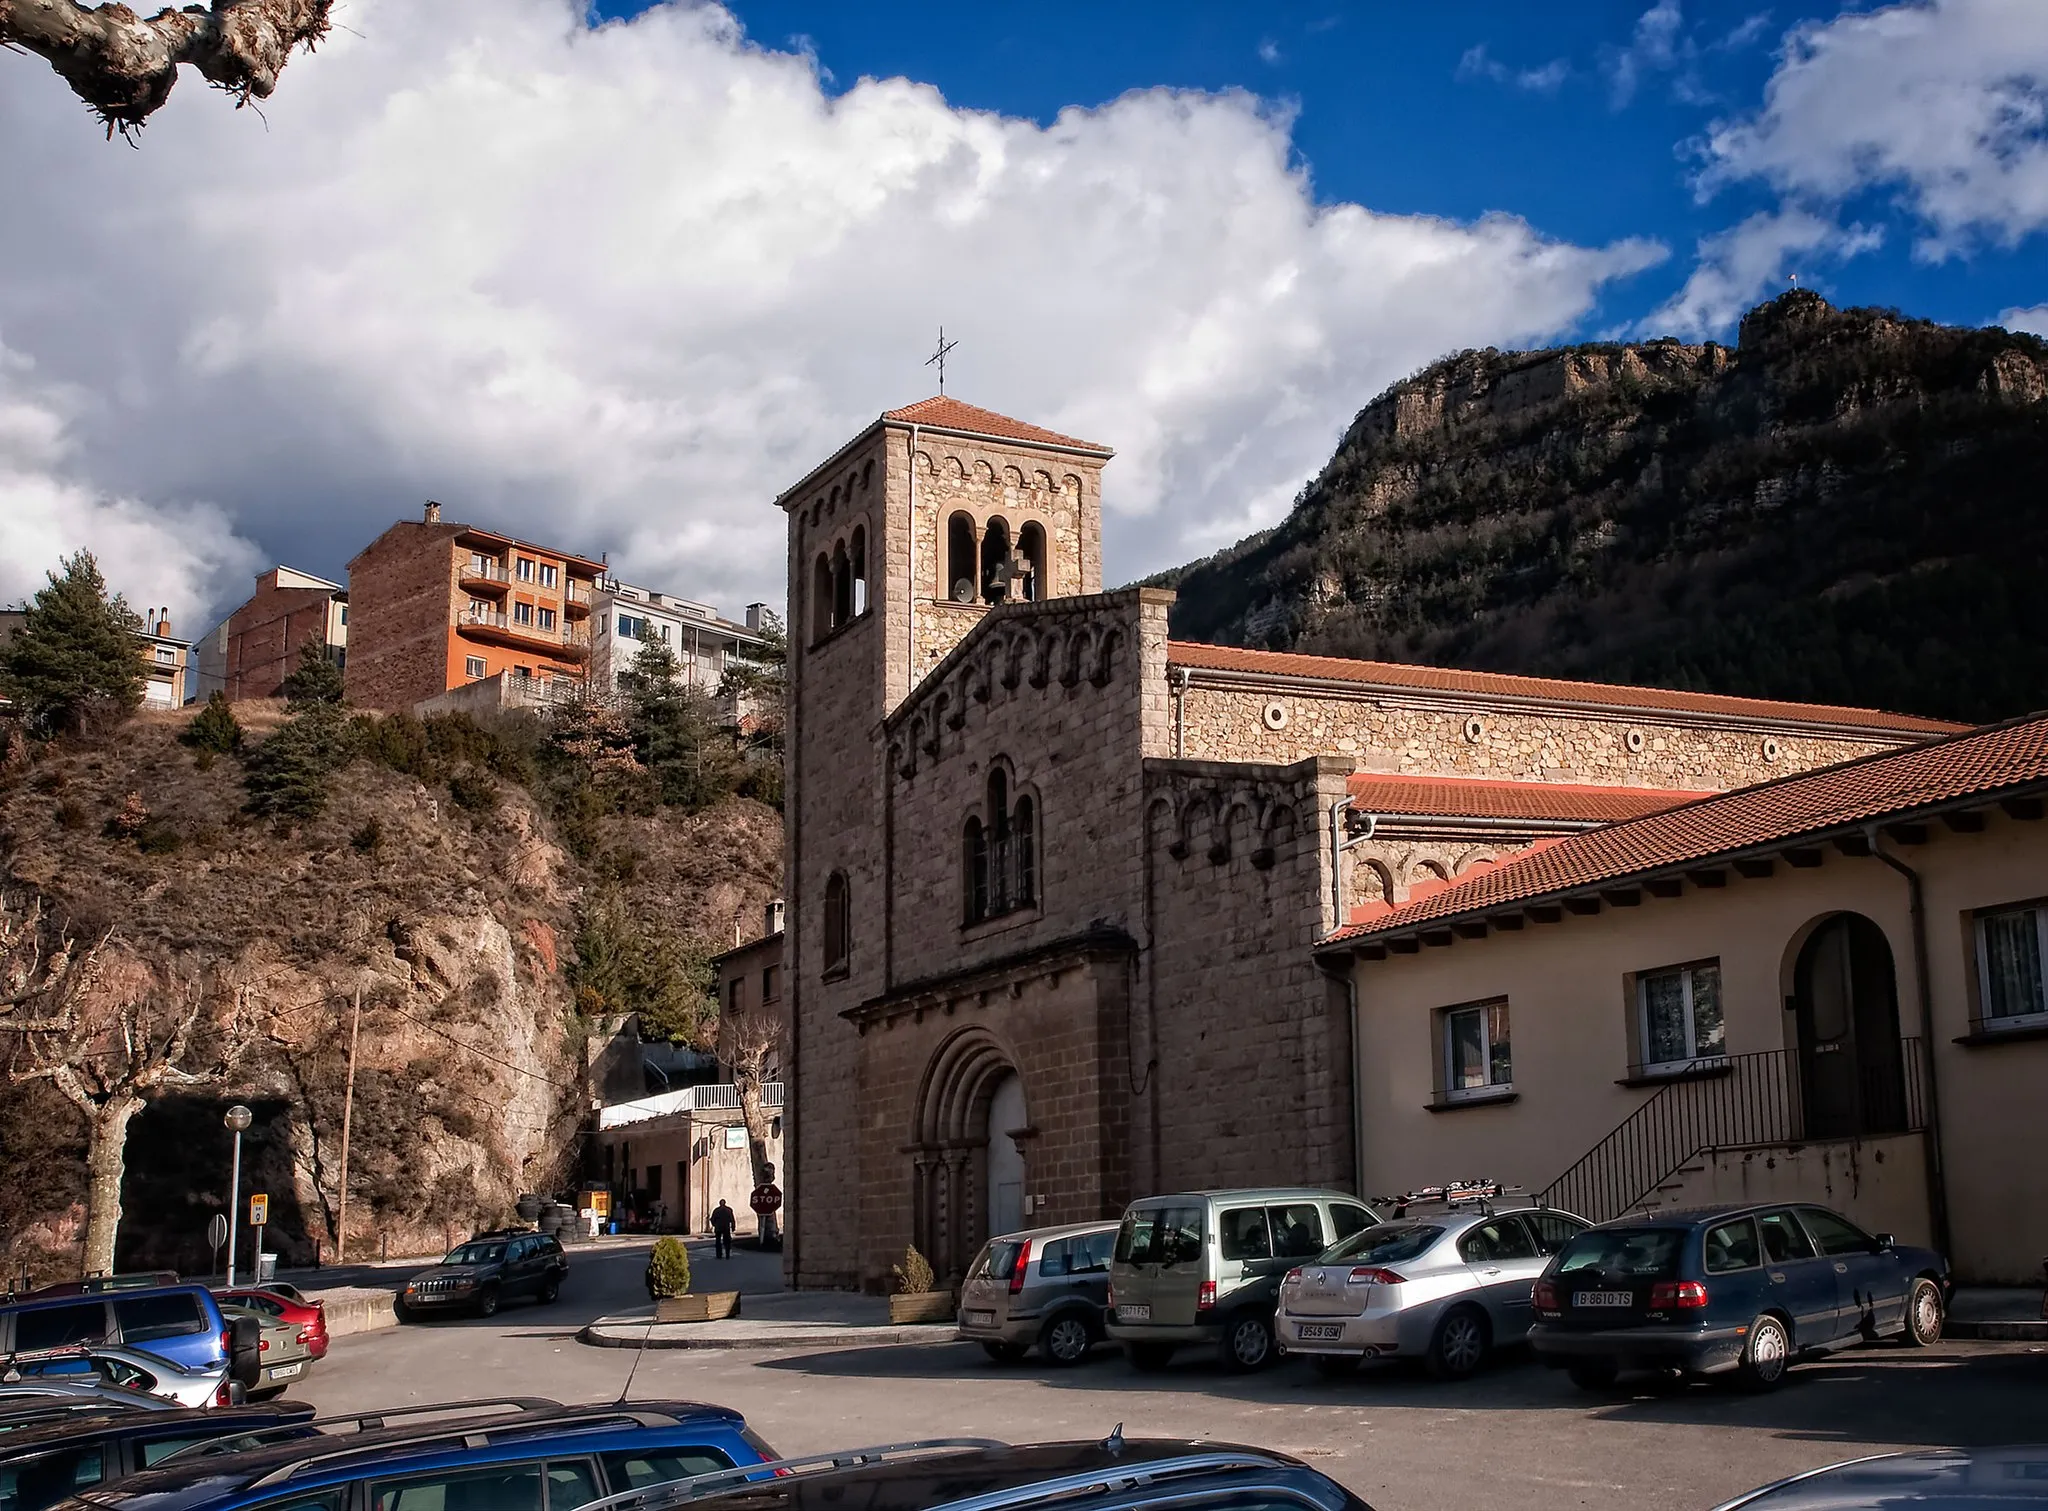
(348, 1107)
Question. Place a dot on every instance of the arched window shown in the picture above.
(838, 923)
(1031, 583)
(821, 598)
(999, 853)
(960, 571)
(842, 589)
(995, 561)
(859, 559)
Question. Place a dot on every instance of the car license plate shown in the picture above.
(1321, 1332)
(1604, 1298)
(1134, 1314)
(981, 1319)
(285, 1371)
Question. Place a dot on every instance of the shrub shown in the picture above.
(127, 824)
(316, 679)
(914, 1276)
(668, 1269)
(70, 814)
(216, 731)
(157, 838)
(289, 774)
(474, 791)
(366, 839)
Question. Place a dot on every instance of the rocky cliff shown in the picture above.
(1843, 507)
(457, 922)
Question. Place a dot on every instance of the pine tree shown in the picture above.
(677, 733)
(290, 773)
(75, 652)
(216, 731)
(316, 679)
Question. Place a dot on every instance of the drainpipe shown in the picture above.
(1339, 843)
(1350, 979)
(1937, 1179)
(1177, 683)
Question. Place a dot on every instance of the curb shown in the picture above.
(852, 1337)
(1996, 1332)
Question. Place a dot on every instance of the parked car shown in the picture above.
(1447, 1285)
(503, 1265)
(1714, 1290)
(29, 1403)
(1045, 1288)
(181, 1323)
(286, 1304)
(1115, 1474)
(99, 1285)
(1933, 1479)
(42, 1464)
(282, 1358)
(571, 1455)
(131, 1370)
(1205, 1267)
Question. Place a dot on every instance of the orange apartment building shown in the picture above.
(435, 606)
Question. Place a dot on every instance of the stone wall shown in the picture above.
(1463, 736)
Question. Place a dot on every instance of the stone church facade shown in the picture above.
(1054, 879)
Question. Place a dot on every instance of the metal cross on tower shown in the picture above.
(938, 358)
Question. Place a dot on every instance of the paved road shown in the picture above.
(1518, 1438)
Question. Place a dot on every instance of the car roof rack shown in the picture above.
(1485, 1197)
(1123, 1477)
(359, 1421)
(698, 1485)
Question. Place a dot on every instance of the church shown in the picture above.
(1055, 880)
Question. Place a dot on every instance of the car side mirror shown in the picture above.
(1884, 1243)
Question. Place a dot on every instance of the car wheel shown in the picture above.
(1149, 1357)
(1335, 1366)
(1459, 1344)
(1593, 1374)
(1923, 1314)
(1767, 1356)
(403, 1312)
(1066, 1340)
(1003, 1353)
(487, 1302)
(1248, 1343)
(550, 1290)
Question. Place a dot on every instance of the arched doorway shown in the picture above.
(1005, 1160)
(1846, 1000)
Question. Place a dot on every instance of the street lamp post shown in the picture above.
(238, 1118)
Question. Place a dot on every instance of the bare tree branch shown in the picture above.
(124, 67)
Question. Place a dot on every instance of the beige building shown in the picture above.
(681, 1153)
(1827, 987)
(1054, 880)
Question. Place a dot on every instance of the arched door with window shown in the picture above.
(1005, 1162)
(1845, 996)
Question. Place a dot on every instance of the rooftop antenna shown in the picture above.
(938, 358)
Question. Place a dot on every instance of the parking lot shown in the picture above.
(1515, 1438)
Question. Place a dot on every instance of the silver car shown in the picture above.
(1046, 1287)
(1447, 1287)
(128, 1369)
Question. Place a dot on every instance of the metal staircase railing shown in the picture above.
(1733, 1102)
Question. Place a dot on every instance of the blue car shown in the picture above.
(181, 1323)
(534, 1456)
(1730, 1290)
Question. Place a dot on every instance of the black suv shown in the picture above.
(501, 1265)
(40, 1465)
(971, 1474)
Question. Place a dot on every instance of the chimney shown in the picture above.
(163, 625)
(774, 918)
(754, 613)
(433, 512)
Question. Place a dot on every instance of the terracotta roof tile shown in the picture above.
(950, 414)
(1397, 675)
(1472, 797)
(1982, 763)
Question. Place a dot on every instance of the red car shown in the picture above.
(310, 1317)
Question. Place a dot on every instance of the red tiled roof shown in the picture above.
(1476, 797)
(1980, 763)
(943, 413)
(1391, 674)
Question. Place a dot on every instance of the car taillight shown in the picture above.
(1372, 1274)
(305, 1335)
(1544, 1294)
(1017, 1271)
(225, 1395)
(1292, 1277)
(1677, 1295)
(1205, 1300)
(262, 1345)
(227, 1343)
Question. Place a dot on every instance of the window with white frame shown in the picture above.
(1477, 1061)
(473, 667)
(525, 570)
(2011, 944)
(1678, 1016)
(549, 576)
(522, 613)
(632, 627)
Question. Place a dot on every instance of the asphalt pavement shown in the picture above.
(1516, 1438)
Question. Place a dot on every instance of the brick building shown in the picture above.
(251, 652)
(436, 606)
(1054, 879)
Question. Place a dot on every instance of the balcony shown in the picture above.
(485, 576)
(495, 627)
(576, 599)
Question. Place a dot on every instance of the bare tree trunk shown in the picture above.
(106, 1157)
(755, 1115)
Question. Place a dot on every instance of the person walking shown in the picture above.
(722, 1223)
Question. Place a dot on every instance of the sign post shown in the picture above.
(216, 1235)
(259, 1219)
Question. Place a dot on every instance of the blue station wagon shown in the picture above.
(1714, 1290)
(181, 1323)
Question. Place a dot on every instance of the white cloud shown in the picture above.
(617, 287)
(1655, 46)
(1943, 103)
(1750, 260)
(1269, 52)
(2032, 318)
(180, 556)
(1477, 63)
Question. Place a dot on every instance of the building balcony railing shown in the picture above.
(502, 629)
(488, 575)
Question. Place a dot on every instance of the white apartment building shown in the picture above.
(626, 618)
